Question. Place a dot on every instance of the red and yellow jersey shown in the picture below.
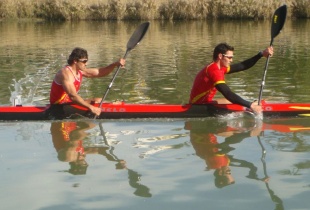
(203, 89)
(206, 147)
(64, 140)
(58, 94)
(217, 161)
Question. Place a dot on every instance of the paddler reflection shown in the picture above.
(204, 138)
(213, 139)
(68, 139)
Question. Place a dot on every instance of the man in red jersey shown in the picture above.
(67, 81)
(212, 78)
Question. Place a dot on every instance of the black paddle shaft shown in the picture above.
(134, 40)
(278, 21)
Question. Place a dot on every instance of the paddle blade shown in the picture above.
(137, 36)
(278, 21)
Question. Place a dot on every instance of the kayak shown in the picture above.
(123, 110)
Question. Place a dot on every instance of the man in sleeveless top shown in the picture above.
(212, 78)
(67, 81)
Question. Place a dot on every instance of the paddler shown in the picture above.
(211, 78)
(67, 81)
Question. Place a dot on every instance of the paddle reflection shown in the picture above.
(133, 176)
(68, 138)
(277, 200)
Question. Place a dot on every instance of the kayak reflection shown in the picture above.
(68, 137)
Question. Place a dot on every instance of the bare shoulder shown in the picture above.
(63, 74)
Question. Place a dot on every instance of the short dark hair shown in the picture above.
(221, 48)
(76, 54)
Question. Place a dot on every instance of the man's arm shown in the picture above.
(244, 65)
(231, 96)
(235, 99)
(104, 71)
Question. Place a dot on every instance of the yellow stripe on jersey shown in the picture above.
(196, 98)
(219, 82)
(228, 69)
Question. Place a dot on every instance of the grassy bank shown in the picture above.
(149, 9)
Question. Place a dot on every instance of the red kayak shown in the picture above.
(130, 111)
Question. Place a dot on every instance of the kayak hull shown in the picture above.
(130, 111)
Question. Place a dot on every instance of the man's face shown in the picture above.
(227, 58)
(82, 63)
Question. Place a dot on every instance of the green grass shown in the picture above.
(149, 9)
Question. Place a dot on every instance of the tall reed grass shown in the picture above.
(149, 9)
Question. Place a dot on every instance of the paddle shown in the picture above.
(134, 40)
(278, 21)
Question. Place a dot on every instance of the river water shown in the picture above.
(235, 162)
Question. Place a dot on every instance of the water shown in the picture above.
(162, 68)
(148, 163)
(153, 164)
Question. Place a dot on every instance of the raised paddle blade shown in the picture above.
(137, 36)
(278, 21)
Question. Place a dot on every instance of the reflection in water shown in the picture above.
(278, 202)
(204, 140)
(205, 136)
(133, 176)
(175, 171)
(68, 137)
(68, 141)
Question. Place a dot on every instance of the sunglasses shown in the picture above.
(83, 60)
(228, 56)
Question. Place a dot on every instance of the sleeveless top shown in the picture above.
(58, 94)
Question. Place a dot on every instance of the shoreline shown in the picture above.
(66, 10)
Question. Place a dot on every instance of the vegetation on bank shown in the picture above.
(149, 9)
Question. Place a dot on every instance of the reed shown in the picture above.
(301, 8)
(149, 9)
(17, 9)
